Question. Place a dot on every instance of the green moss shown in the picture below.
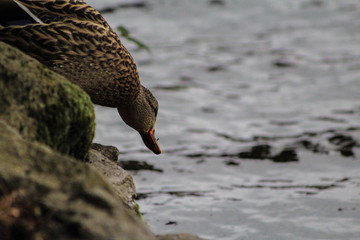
(44, 106)
(137, 210)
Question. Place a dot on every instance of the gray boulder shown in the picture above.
(45, 195)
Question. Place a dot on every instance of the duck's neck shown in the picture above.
(105, 86)
(135, 112)
(115, 94)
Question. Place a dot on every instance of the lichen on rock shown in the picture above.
(43, 105)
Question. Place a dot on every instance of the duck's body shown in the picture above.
(73, 39)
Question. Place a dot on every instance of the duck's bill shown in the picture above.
(150, 141)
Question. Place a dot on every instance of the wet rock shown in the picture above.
(217, 2)
(216, 68)
(346, 153)
(232, 163)
(283, 63)
(344, 143)
(177, 237)
(44, 106)
(56, 197)
(286, 155)
(171, 223)
(259, 152)
(110, 152)
(313, 147)
(120, 179)
(132, 165)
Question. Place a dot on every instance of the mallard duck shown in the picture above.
(73, 39)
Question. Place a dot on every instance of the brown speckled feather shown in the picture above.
(75, 41)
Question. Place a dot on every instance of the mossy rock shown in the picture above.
(43, 105)
(45, 195)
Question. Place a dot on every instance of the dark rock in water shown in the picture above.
(55, 197)
(217, 2)
(232, 163)
(346, 153)
(216, 68)
(282, 63)
(286, 155)
(260, 152)
(138, 166)
(44, 106)
(344, 143)
(177, 237)
(313, 147)
(171, 223)
(110, 152)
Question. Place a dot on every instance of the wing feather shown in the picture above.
(49, 11)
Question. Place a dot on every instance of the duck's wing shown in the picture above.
(64, 30)
(81, 46)
(50, 11)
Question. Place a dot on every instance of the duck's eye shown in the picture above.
(156, 111)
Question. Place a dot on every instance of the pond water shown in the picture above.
(259, 118)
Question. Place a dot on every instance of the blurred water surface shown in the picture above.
(258, 120)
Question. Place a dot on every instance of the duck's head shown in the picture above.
(140, 114)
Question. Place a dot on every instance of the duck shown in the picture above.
(73, 39)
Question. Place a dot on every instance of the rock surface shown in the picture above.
(44, 106)
(111, 152)
(64, 198)
(120, 179)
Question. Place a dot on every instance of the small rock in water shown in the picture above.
(217, 2)
(345, 144)
(282, 63)
(232, 163)
(216, 68)
(138, 165)
(286, 155)
(343, 141)
(314, 147)
(171, 223)
(260, 152)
